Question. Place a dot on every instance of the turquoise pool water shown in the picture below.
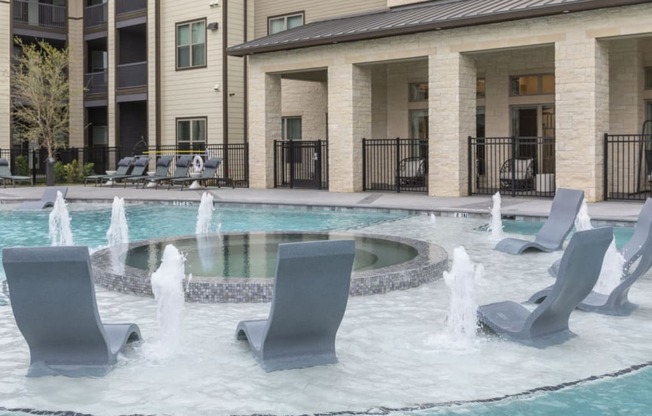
(627, 394)
(622, 234)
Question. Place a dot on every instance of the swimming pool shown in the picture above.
(393, 354)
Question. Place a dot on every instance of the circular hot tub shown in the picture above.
(240, 267)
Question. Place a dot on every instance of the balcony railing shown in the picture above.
(127, 6)
(132, 75)
(37, 14)
(95, 15)
(96, 82)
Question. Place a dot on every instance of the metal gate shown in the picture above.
(301, 164)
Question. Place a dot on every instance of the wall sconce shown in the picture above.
(231, 94)
(212, 26)
(216, 87)
(214, 3)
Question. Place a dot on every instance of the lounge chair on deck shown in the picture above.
(548, 323)
(139, 170)
(617, 302)
(48, 198)
(53, 299)
(6, 175)
(517, 174)
(181, 167)
(162, 169)
(550, 237)
(210, 168)
(311, 290)
(124, 167)
(412, 171)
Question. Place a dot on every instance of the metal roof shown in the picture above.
(421, 17)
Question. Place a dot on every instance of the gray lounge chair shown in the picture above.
(550, 237)
(161, 171)
(210, 168)
(48, 198)
(53, 299)
(139, 170)
(617, 302)
(6, 175)
(124, 167)
(181, 167)
(310, 295)
(548, 323)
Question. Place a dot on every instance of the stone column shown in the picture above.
(111, 47)
(264, 126)
(5, 70)
(349, 121)
(582, 112)
(76, 71)
(452, 102)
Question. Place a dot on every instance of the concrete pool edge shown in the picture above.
(427, 266)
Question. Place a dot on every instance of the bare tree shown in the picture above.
(40, 95)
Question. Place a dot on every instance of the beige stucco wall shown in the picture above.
(5, 68)
(191, 92)
(496, 51)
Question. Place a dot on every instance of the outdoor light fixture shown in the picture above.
(214, 3)
(212, 26)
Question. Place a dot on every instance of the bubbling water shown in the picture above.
(461, 320)
(167, 286)
(118, 232)
(496, 224)
(205, 214)
(583, 220)
(60, 231)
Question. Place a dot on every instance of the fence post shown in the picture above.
(318, 164)
(513, 167)
(470, 166)
(364, 164)
(398, 163)
(605, 167)
(33, 166)
(275, 163)
(291, 148)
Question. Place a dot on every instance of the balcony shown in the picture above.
(36, 14)
(95, 15)
(129, 6)
(132, 75)
(96, 82)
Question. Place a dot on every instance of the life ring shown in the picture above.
(197, 163)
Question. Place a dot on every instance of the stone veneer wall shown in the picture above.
(5, 68)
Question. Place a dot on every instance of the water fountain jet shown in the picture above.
(205, 214)
(60, 231)
(118, 232)
(461, 320)
(496, 224)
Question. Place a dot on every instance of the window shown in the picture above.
(280, 23)
(191, 133)
(191, 44)
(418, 91)
(648, 77)
(291, 128)
(532, 84)
(480, 88)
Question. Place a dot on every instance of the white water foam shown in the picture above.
(59, 221)
(205, 214)
(496, 223)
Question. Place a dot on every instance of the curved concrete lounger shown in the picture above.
(548, 323)
(550, 237)
(53, 299)
(311, 290)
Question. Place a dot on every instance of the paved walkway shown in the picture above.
(519, 206)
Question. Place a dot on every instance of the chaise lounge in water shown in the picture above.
(53, 299)
(311, 290)
(48, 198)
(548, 323)
(638, 247)
(550, 237)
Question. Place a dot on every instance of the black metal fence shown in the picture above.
(301, 164)
(627, 166)
(516, 166)
(395, 165)
(233, 171)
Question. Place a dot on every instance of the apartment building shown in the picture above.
(565, 73)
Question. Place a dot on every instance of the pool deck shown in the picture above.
(612, 211)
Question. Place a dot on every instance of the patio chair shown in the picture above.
(47, 199)
(210, 168)
(162, 168)
(550, 237)
(548, 323)
(639, 247)
(53, 299)
(311, 290)
(6, 175)
(522, 176)
(139, 170)
(181, 167)
(124, 167)
(412, 171)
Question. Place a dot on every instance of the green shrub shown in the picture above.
(59, 172)
(22, 166)
(72, 171)
(87, 170)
